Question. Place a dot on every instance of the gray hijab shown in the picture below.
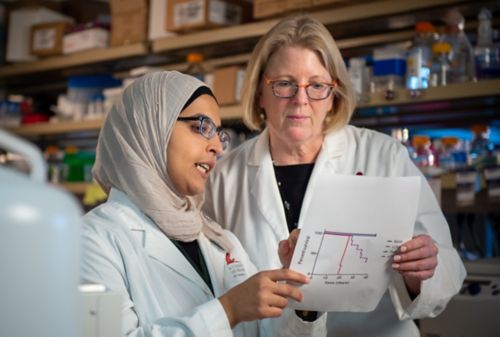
(131, 155)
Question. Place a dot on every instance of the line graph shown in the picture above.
(341, 245)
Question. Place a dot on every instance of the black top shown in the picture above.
(192, 252)
(292, 183)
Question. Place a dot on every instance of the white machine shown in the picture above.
(100, 311)
(475, 311)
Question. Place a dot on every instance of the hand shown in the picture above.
(416, 261)
(262, 296)
(286, 248)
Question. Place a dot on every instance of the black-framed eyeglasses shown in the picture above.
(207, 128)
(287, 89)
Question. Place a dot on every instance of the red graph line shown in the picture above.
(343, 254)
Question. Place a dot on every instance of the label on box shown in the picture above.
(44, 39)
(85, 39)
(189, 13)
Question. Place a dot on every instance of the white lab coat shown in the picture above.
(243, 196)
(163, 294)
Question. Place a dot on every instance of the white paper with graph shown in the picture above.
(350, 231)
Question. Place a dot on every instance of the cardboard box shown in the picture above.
(85, 39)
(127, 6)
(129, 27)
(158, 20)
(185, 15)
(47, 38)
(266, 8)
(19, 34)
(228, 83)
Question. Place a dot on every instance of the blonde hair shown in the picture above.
(306, 32)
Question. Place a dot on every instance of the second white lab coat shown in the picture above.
(163, 294)
(243, 196)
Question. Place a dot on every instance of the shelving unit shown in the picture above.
(328, 17)
(357, 26)
(394, 23)
(453, 92)
(76, 188)
(66, 61)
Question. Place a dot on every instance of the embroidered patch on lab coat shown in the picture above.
(234, 272)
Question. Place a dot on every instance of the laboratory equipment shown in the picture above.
(474, 311)
(39, 251)
(101, 311)
(418, 62)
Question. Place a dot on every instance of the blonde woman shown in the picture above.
(298, 93)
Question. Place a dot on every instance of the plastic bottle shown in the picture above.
(486, 53)
(73, 165)
(403, 135)
(441, 67)
(426, 160)
(462, 54)
(481, 151)
(359, 73)
(389, 69)
(195, 67)
(55, 164)
(419, 59)
(423, 155)
(39, 249)
(452, 157)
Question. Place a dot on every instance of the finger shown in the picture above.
(270, 312)
(423, 264)
(415, 243)
(420, 275)
(283, 248)
(286, 275)
(277, 300)
(294, 236)
(288, 291)
(417, 254)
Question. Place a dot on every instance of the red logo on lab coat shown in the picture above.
(229, 259)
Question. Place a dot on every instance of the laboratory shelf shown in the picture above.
(67, 61)
(53, 128)
(329, 17)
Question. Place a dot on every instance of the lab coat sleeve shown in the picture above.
(450, 272)
(102, 264)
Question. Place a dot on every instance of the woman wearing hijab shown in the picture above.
(179, 273)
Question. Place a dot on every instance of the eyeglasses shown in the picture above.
(207, 128)
(288, 89)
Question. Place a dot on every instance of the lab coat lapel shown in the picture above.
(265, 188)
(159, 247)
(215, 264)
(155, 242)
(334, 146)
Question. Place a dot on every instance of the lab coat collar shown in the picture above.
(265, 190)
(334, 145)
(155, 242)
(161, 248)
